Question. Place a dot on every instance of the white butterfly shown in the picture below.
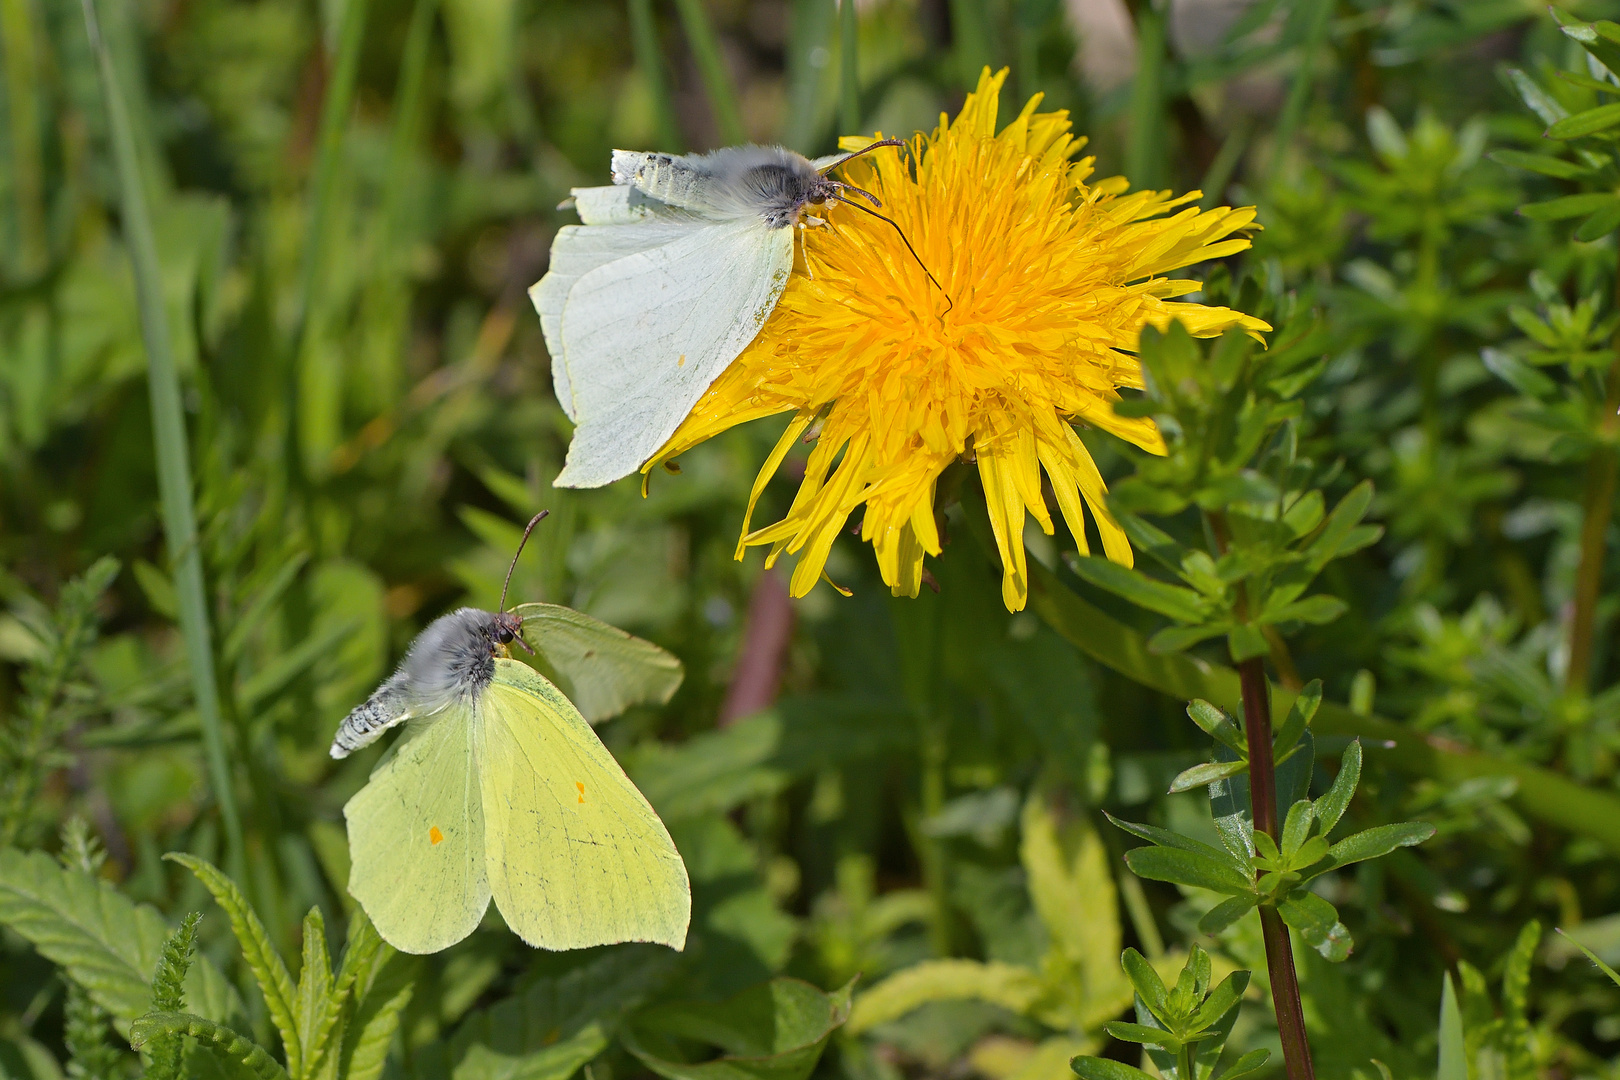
(675, 269)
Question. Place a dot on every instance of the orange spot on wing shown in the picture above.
(581, 785)
(435, 837)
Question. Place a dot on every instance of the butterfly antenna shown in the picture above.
(863, 150)
(527, 530)
(949, 302)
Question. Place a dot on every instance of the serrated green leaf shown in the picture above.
(1186, 868)
(1016, 989)
(105, 943)
(370, 1033)
(1373, 843)
(1072, 889)
(218, 1038)
(275, 982)
(774, 1031)
(556, 1025)
(168, 995)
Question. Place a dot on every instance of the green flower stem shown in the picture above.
(1285, 998)
(711, 65)
(169, 434)
(650, 62)
(849, 75)
(1597, 507)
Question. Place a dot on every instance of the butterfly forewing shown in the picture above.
(416, 837)
(645, 335)
(576, 856)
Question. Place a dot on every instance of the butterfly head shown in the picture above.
(507, 628)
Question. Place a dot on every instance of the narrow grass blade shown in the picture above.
(650, 62)
(1299, 94)
(849, 68)
(971, 31)
(169, 435)
(319, 387)
(711, 64)
(19, 42)
(809, 35)
(1219, 176)
(1145, 155)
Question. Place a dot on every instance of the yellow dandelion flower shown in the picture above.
(1046, 282)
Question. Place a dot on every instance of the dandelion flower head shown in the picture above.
(1049, 279)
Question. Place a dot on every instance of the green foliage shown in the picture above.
(1183, 1029)
(1395, 506)
(57, 642)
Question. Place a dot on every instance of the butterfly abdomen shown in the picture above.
(736, 183)
(387, 706)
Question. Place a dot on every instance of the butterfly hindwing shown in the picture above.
(576, 856)
(602, 669)
(417, 836)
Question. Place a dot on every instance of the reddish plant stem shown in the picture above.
(1263, 800)
(1597, 507)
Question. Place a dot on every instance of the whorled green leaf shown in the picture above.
(275, 982)
(1214, 722)
(1226, 913)
(1332, 805)
(1544, 164)
(1187, 868)
(1601, 39)
(105, 943)
(774, 1031)
(1249, 1063)
(1567, 206)
(1097, 1068)
(1318, 923)
(1207, 773)
(1380, 841)
(1181, 604)
(218, 1038)
(601, 669)
(1586, 122)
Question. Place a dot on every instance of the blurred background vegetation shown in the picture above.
(350, 199)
